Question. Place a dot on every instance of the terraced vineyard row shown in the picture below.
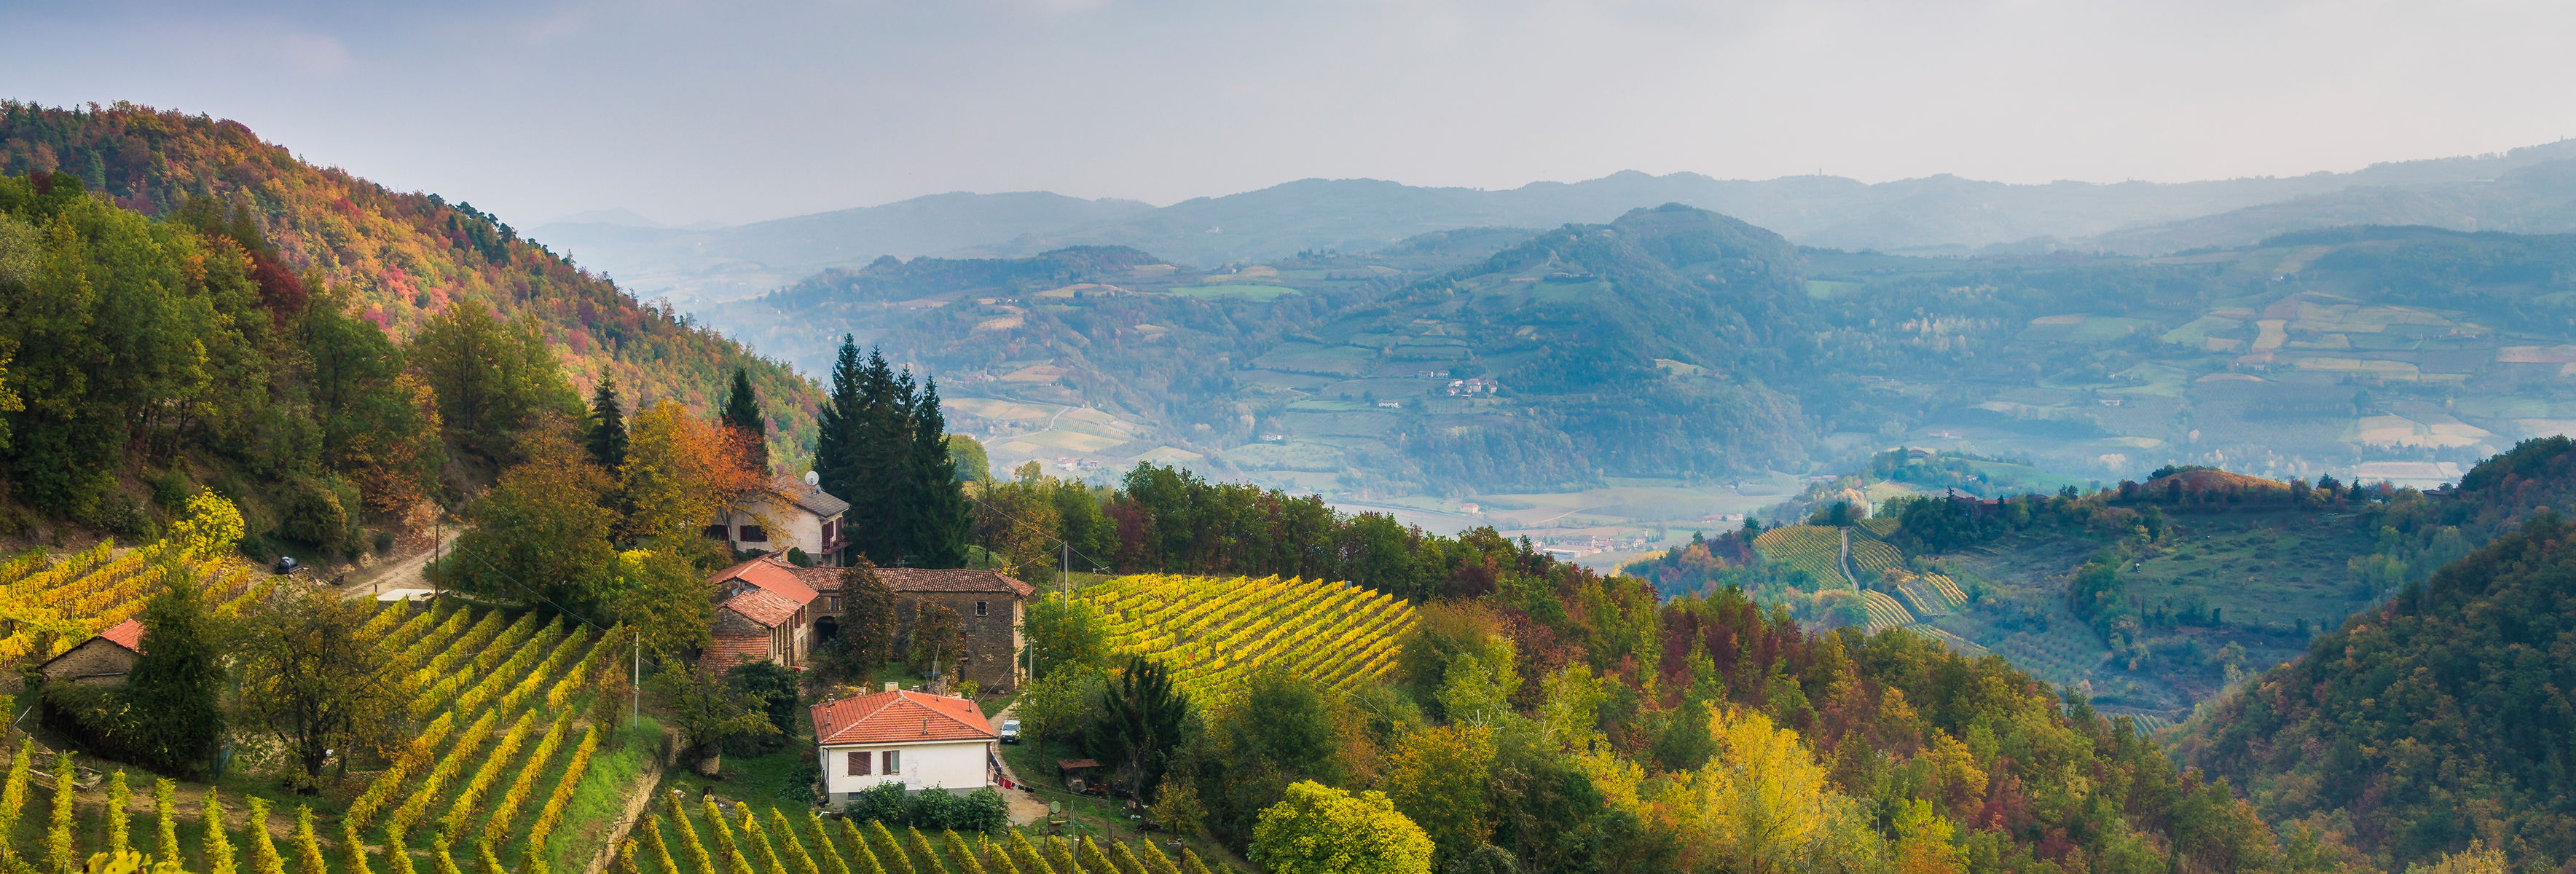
(778, 844)
(57, 604)
(1816, 549)
(1884, 612)
(1212, 632)
(1871, 554)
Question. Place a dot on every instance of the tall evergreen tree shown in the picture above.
(837, 443)
(882, 499)
(607, 438)
(941, 522)
(742, 410)
(174, 682)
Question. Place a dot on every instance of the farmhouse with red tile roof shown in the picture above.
(761, 614)
(106, 658)
(917, 740)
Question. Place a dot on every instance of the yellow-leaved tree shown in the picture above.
(1436, 777)
(209, 528)
(683, 473)
(1318, 829)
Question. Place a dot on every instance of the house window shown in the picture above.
(717, 532)
(859, 764)
(753, 534)
(832, 603)
(894, 761)
(979, 608)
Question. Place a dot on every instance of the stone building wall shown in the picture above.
(90, 661)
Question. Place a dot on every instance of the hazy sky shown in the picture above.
(742, 111)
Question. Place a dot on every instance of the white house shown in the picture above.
(809, 519)
(914, 739)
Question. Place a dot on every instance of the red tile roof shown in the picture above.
(128, 634)
(900, 717)
(820, 579)
(768, 575)
(762, 607)
(731, 649)
(913, 579)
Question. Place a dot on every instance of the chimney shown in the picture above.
(892, 686)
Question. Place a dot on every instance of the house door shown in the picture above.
(827, 629)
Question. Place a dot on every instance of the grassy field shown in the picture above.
(2256, 568)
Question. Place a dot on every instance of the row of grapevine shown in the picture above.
(1871, 554)
(1214, 631)
(742, 844)
(55, 607)
(1816, 549)
(1884, 612)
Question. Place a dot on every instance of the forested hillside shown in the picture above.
(395, 259)
(2441, 718)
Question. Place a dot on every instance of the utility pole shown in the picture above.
(635, 691)
(1064, 574)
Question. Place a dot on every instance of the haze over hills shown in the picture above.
(1938, 214)
(695, 265)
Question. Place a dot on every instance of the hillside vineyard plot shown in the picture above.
(1816, 549)
(58, 604)
(1213, 632)
(488, 771)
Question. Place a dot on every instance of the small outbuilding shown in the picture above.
(103, 659)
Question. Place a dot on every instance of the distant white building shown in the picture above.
(808, 519)
(918, 740)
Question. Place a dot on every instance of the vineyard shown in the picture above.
(1816, 549)
(54, 605)
(738, 841)
(491, 766)
(1213, 632)
(659, 844)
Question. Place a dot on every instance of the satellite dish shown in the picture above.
(813, 479)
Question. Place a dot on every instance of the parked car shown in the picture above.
(1010, 731)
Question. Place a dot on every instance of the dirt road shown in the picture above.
(1025, 807)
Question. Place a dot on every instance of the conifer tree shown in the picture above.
(837, 439)
(742, 410)
(607, 437)
(941, 522)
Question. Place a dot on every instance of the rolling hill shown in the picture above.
(2432, 721)
(399, 257)
(1940, 214)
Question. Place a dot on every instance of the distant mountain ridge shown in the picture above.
(1940, 214)
(692, 266)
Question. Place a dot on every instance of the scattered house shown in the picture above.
(2110, 402)
(1390, 405)
(1473, 387)
(104, 659)
(803, 516)
(988, 604)
(763, 613)
(913, 739)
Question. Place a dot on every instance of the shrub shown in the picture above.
(883, 802)
(314, 515)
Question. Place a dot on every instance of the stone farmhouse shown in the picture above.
(762, 614)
